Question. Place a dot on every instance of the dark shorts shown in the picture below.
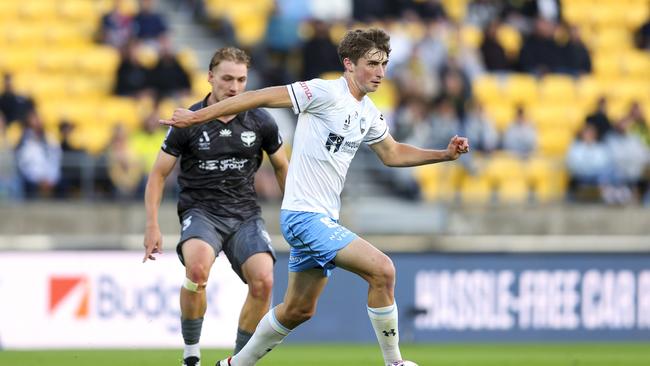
(238, 239)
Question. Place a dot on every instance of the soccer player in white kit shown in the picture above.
(335, 118)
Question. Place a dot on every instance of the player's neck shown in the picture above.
(212, 100)
(353, 87)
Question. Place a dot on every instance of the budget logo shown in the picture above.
(69, 295)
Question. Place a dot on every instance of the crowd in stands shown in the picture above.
(553, 95)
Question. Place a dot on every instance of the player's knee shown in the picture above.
(261, 286)
(384, 274)
(197, 272)
(301, 313)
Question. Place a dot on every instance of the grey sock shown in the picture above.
(191, 329)
(242, 338)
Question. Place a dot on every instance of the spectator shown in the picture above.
(115, 26)
(14, 107)
(494, 55)
(415, 77)
(642, 36)
(72, 163)
(599, 119)
(38, 159)
(481, 12)
(444, 123)
(145, 143)
(168, 78)
(132, 77)
(479, 129)
(124, 167)
(639, 127)
(9, 183)
(576, 60)
(540, 54)
(411, 120)
(149, 26)
(319, 53)
(630, 156)
(589, 163)
(520, 137)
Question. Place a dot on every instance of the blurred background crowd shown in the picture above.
(553, 95)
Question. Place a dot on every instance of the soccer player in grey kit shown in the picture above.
(217, 203)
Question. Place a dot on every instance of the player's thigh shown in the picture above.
(197, 255)
(363, 258)
(304, 288)
(258, 267)
(250, 242)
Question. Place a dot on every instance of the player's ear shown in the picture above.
(210, 76)
(348, 64)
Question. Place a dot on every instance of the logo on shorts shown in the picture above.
(187, 222)
(248, 138)
(294, 259)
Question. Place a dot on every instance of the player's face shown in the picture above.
(370, 70)
(228, 79)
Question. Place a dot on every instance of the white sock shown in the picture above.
(384, 321)
(268, 334)
(192, 350)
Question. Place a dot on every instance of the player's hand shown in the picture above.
(457, 146)
(181, 118)
(152, 243)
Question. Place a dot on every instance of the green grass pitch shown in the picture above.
(578, 354)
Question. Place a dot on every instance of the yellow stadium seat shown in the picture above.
(606, 64)
(439, 182)
(456, 9)
(514, 191)
(612, 40)
(8, 10)
(189, 62)
(487, 88)
(120, 110)
(385, 98)
(557, 87)
(58, 61)
(637, 64)
(200, 85)
(521, 89)
(637, 12)
(75, 10)
(14, 132)
(556, 115)
(510, 39)
(471, 36)
(554, 142)
(501, 112)
(631, 89)
(475, 191)
(38, 10)
(588, 89)
(503, 167)
(99, 60)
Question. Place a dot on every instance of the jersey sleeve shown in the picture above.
(173, 142)
(378, 130)
(310, 96)
(271, 138)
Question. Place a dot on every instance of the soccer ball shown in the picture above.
(403, 363)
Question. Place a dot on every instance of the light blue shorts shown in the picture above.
(314, 238)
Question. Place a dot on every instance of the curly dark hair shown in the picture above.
(356, 43)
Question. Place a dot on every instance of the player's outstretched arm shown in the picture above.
(395, 154)
(272, 97)
(152, 197)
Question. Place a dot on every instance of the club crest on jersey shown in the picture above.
(204, 141)
(248, 138)
(362, 124)
(225, 133)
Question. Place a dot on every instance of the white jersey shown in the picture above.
(332, 124)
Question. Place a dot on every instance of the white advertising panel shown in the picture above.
(108, 299)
